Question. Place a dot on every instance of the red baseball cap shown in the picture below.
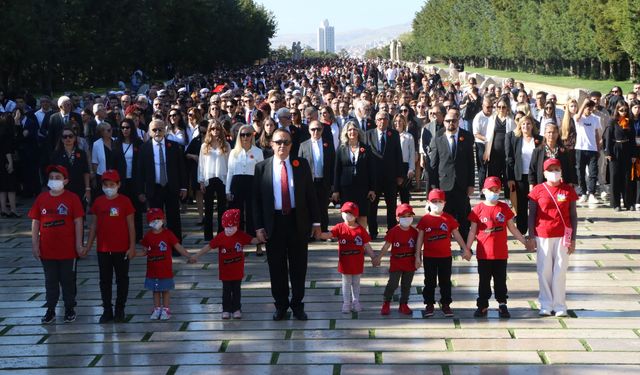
(58, 168)
(155, 214)
(231, 218)
(437, 194)
(550, 162)
(491, 182)
(111, 175)
(404, 209)
(350, 207)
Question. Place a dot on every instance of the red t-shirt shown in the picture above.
(230, 254)
(548, 221)
(437, 235)
(403, 248)
(492, 230)
(112, 228)
(57, 227)
(159, 248)
(351, 243)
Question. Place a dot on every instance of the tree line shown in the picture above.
(56, 44)
(592, 39)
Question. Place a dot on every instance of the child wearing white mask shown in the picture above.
(434, 234)
(353, 243)
(230, 244)
(489, 222)
(113, 226)
(402, 241)
(159, 244)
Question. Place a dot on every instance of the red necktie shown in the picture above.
(284, 185)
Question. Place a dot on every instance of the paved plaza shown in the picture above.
(602, 334)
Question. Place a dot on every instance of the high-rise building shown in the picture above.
(326, 39)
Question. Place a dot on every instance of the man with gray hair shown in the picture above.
(100, 114)
(297, 135)
(58, 121)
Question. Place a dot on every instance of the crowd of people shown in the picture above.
(282, 143)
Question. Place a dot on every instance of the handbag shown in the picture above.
(568, 231)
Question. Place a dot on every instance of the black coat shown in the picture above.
(358, 176)
(388, 166)
(513, 147)
(145, 178)
(328, 159)
(56, 125)
(536, 168)
(458, 172)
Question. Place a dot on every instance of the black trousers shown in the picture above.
(60, 274)
(482, 167)
(587, 159)
(458, 206)
(128, 189)
(169, 201)
(440, 269)
(231, 295)
(496, 269)
(322, 196)
(215, 189)
(389, 188)
(522, 213)
(287, 252)
(241, 188)
(621, 184)
(405, 194)
(405, 285)
(108, 264)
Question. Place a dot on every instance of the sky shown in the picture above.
(343, 15)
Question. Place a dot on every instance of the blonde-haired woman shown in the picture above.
(239, 182)
(212, 172)
(568, 134)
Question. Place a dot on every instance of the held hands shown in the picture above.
(418, 262)
(466, 254)
(261, 235)
(531, 244)
(316, 232)
(375, 261)
(192, 259)
(335, 197)
(131, 253)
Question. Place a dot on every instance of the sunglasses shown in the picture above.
(404, 110)
(125, 127)
(281, 142)
(68, 136)
(315, 129)
(157, 130)
(501, 107)
(246, 135)
(173, 115)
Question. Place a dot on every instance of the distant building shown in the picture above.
(326, 38)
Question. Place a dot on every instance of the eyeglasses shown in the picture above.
(315, 129)
(433, 113)
(622, 110)
(157, 130)
(191, 114)
(281, 142)
(173, 115)
(125, 127)
(246, 135)
(68, 136)
(404, 110)
(501, 107)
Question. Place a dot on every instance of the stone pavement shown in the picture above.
(602, 333)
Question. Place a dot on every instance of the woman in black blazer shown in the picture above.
(69, 155)
(551, 147)
(130, 144)
(520, 145)
(354, 179)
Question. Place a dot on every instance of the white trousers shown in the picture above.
(552, 262)
(350, 288)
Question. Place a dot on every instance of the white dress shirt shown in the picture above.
(408, 147)
(316, 148)
(480, 123)
(156, 158)
(127, 149)
(242, 162)
(212, 164)
(527, 151)
(277, 189)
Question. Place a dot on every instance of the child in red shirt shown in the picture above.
(116, 234)
(402, 240)
(353, 243)
(490, 219)
(159, 244)
(230, 245)
(56, 238)
(434, 232)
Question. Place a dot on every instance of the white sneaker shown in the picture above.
(165, 314)
(561, 313)
(226, 315)
(237, 314)
(583, 199)
(604, 195)
(346, 308)
(544, 312)
(637, 206)
(593, 199)
(155, 315)
(356, 306)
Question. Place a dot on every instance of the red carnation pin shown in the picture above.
(295, 163)
(325, 145)
(251, 156)
(536, 141)
(388, 134)
(361, 149)
(77, 154)
(168, 144)
(461, 138)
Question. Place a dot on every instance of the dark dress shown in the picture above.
(8, 181)
(77, 166)
(354, 179)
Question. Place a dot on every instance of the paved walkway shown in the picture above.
(602, 334)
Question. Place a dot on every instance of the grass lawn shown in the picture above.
(561, 81)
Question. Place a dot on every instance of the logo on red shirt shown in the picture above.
(62, 209)
(500, 217)
(238, 247)
(412, 243)
(358, 241)
(113, 211)
(162, 246)
(444, 227)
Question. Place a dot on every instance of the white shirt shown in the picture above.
(527, 151)
(408, 147)
(178, 137)
(277, 189)
(316, 148)
(98, 157)
(40, 114)
(156, 158)
(212, 164)
(480, 123)
(242, 163)
(127, 149)
(586, 128)
(335, 131)
(192, 132)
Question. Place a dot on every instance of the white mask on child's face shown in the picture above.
(55, 185)
(405, 222)
(436, 208)
(348, 217)
(230, 231)
(553, 176)
(156, 224)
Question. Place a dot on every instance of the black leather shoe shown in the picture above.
(300, 315)
(279, 314)
(107, 316)
(119, 316)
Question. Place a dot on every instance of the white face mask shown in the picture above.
(436, 208)
(110, 192)
(552, 176)
(405, 222)
(156, 224)
(230, 231)
(348, 217)
(490, 196)
(56, 185)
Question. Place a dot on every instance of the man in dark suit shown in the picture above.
(431, 130)
(387, 152)
(59, 120)
(451, 156)
(285, 208)
(161, 177)
(321, 157)
(298, 135)
(363, 112)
